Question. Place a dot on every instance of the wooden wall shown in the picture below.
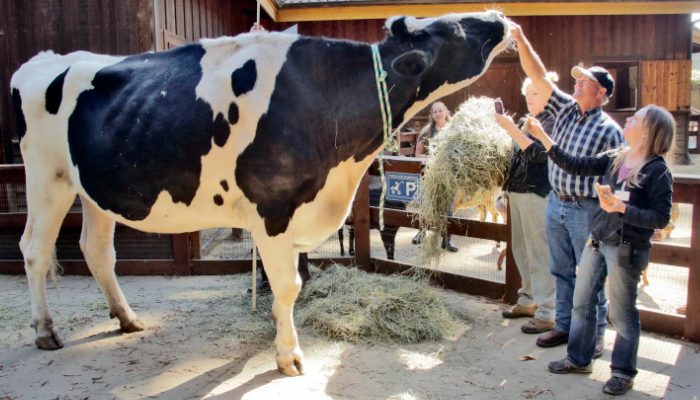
(103, 26)
(132, 26)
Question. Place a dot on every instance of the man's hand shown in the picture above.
(516, 32)
(257, 28)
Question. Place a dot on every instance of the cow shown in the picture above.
(269, 132)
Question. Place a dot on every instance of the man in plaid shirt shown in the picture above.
(581, 128)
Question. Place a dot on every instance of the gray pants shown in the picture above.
(531, 252)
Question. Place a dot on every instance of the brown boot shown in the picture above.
(519, 311)
(537, 325)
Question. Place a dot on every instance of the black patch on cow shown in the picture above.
(243, 79)
(221, 130)
(54, 93)
(142, 129)
(460, 58)
(232, 113)
(224, 185)
(317, 117)
(218, 200)
(21, 122)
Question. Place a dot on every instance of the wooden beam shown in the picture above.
(350, 12)
(270, 8)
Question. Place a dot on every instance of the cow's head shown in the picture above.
(441, 55)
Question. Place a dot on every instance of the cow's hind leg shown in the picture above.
(97, 244)
(280, 261)
(48, 201)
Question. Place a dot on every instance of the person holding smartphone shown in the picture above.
(527, 187)
(581, 128)
(635, 198)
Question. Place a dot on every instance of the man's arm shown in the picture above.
(531, 63)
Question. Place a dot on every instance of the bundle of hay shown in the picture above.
(470, 155)
(348, 304)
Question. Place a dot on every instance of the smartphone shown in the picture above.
(498, 103)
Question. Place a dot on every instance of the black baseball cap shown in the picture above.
(598, 74)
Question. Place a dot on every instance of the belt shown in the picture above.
(571, 198)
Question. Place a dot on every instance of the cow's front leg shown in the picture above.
(280, 263)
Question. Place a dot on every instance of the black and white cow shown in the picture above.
(270, 132)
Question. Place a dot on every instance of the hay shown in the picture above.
(470, 155)
(348, 304)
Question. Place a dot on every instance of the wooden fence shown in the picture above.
(182, 259)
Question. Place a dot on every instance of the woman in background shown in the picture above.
(439, 116)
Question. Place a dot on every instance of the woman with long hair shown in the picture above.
(635, 199)
(439, 117)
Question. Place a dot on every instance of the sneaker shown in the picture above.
(537, 325)
(567, 367)
(617, 385)
(553, 338)
(519, 311)
(598, 352)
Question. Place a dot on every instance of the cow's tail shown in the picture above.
(55, 267)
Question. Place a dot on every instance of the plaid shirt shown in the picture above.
(586, 135)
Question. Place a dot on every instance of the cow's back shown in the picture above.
(144, 132)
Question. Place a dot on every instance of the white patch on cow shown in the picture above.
(331, 206)
(225, 55)
(414, 24)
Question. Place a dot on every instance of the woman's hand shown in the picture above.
(608, 201)
(506, 122)
(534, 128)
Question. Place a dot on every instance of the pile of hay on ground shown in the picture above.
(471, 154)
(345, 303)
(349, 304)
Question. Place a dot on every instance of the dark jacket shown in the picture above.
(649, 205)
(528, 168)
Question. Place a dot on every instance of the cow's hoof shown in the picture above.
(291, 364)
(51, 342)
(131, 326)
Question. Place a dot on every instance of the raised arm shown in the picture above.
(531, 63)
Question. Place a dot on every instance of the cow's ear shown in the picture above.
(411, 64)
(397, 27)
(445, 30)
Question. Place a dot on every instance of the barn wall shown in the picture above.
(103, 26)
(128, 26)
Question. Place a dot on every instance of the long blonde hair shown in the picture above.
(660, 127)
(431, 128)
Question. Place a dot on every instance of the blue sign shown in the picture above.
(401, 187)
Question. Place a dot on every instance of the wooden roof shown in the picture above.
(329, 10)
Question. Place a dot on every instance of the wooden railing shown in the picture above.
(184, 260)
(686, 189)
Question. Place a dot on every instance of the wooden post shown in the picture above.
(513, 281)
(181, 254)
(195, 245)
(360, 217)
(692, 316)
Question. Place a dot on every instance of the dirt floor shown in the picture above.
(202, 341)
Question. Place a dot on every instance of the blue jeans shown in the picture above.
(568, 226)
(622, 286)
